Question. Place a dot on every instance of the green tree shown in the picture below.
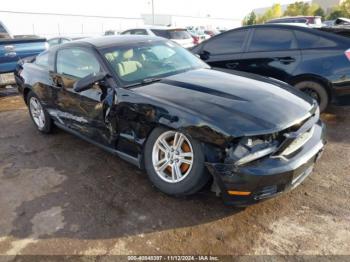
(250, 19)
(345, 8)
(334, 14)
(320, 12)
(312, 9)
(342, 10)
(274, 12)
(297, 8)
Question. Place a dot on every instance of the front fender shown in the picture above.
(136, 116)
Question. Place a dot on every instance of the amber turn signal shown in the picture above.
(238, 193)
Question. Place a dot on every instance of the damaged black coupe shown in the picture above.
(156, 105)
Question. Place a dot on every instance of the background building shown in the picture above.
(54, 24)
(184, 21)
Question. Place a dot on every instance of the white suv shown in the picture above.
(178, 35)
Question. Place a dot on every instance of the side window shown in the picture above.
(139, 32)
(127, 32)
(43, 60)
(161, 33)
(65, 40)
(272, 40)
(231, 42)
(77, 63)
(307, 40)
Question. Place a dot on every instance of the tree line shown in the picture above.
(299, 8)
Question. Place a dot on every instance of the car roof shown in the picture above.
(159, 27)
(311, 30)
(279, 25)
(295, 24)
(297, 16)
(69, 37)
(115, 40)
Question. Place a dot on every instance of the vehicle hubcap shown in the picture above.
(172, 156)
(37, 112)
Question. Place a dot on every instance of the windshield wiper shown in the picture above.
(145, 81)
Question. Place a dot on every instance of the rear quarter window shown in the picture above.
(272, 39)
(308, 40)
(42, 60)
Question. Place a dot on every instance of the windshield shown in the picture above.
(155, 60)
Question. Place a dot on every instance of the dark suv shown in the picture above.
(311, 60)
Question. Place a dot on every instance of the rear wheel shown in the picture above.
(175, 162)
(316, 91)
(38, 114)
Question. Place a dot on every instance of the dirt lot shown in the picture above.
(61, 195)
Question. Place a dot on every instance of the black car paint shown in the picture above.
(210, 106)
(327, 65)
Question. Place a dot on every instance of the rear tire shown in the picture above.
(38, 114)
(189, 176)
(316, 91)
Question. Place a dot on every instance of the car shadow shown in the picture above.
(337, 120)
(104, 197)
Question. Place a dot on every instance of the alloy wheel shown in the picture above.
(311, 92)
(172, 156)
(37, 112)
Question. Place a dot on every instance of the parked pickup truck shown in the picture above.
(13, 49)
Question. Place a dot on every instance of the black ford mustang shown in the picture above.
(159, 107)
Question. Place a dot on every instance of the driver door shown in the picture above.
(83, 112)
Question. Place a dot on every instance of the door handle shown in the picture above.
(11, 54)
(232, 65)
(286, 60)
(9, 48)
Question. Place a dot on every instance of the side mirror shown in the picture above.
(88, 81)
(204, 55)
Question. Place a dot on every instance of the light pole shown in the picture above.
(153, 20)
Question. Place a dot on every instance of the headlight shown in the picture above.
(250, 149)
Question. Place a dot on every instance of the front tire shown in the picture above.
(316, 91)
(38, 114)
(175, 162)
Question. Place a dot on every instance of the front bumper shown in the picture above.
(270, 176)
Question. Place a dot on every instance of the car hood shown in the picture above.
(233, 104)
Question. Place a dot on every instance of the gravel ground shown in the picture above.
(61, 195)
